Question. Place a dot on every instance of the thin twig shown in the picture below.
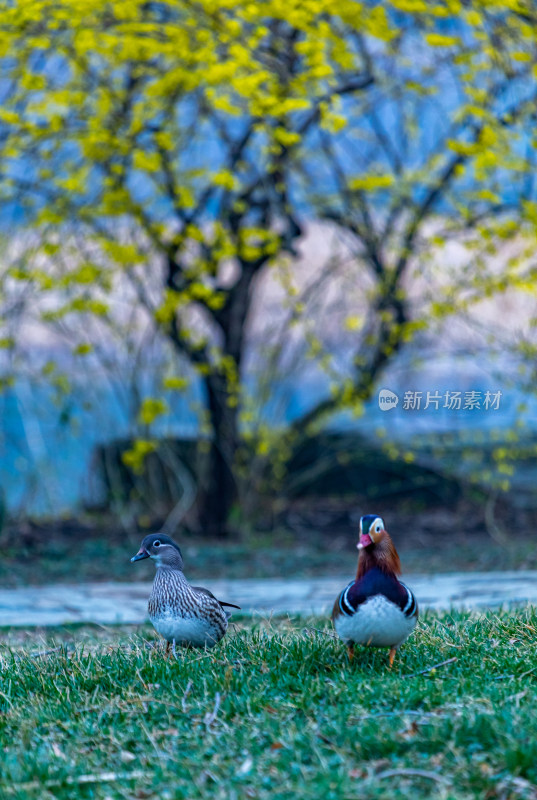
(211, 716)
(434, 666)
(151, 739)
(103, 777)
(42, 653)
(529, 671)
(201, 658)
(418, 773)
(324, 633)
(402, 713)
(185, 695)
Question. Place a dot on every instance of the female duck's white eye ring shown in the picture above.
(156, 543)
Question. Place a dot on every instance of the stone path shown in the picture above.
(108, 603)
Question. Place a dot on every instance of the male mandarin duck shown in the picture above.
(376, 608)
(187, 615)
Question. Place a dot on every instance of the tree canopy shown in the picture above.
(178, 150)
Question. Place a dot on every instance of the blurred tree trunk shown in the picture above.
(219, 491)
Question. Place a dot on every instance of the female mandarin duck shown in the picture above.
(181, 613)
(376, 608)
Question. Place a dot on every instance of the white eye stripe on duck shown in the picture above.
(377, 525)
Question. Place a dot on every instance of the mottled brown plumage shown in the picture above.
(181, 613)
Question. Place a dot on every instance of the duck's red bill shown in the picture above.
(365, 541)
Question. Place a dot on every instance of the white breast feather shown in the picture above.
(377, 622)
(187, 630)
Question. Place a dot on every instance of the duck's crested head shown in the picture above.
(162, 549)
(376, 547)
(372, 531)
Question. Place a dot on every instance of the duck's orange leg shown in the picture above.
(393, 651)
(168, 645)
(350, 651)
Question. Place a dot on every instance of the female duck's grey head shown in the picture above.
(162, 549)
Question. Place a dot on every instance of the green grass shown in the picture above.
(274, 711)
